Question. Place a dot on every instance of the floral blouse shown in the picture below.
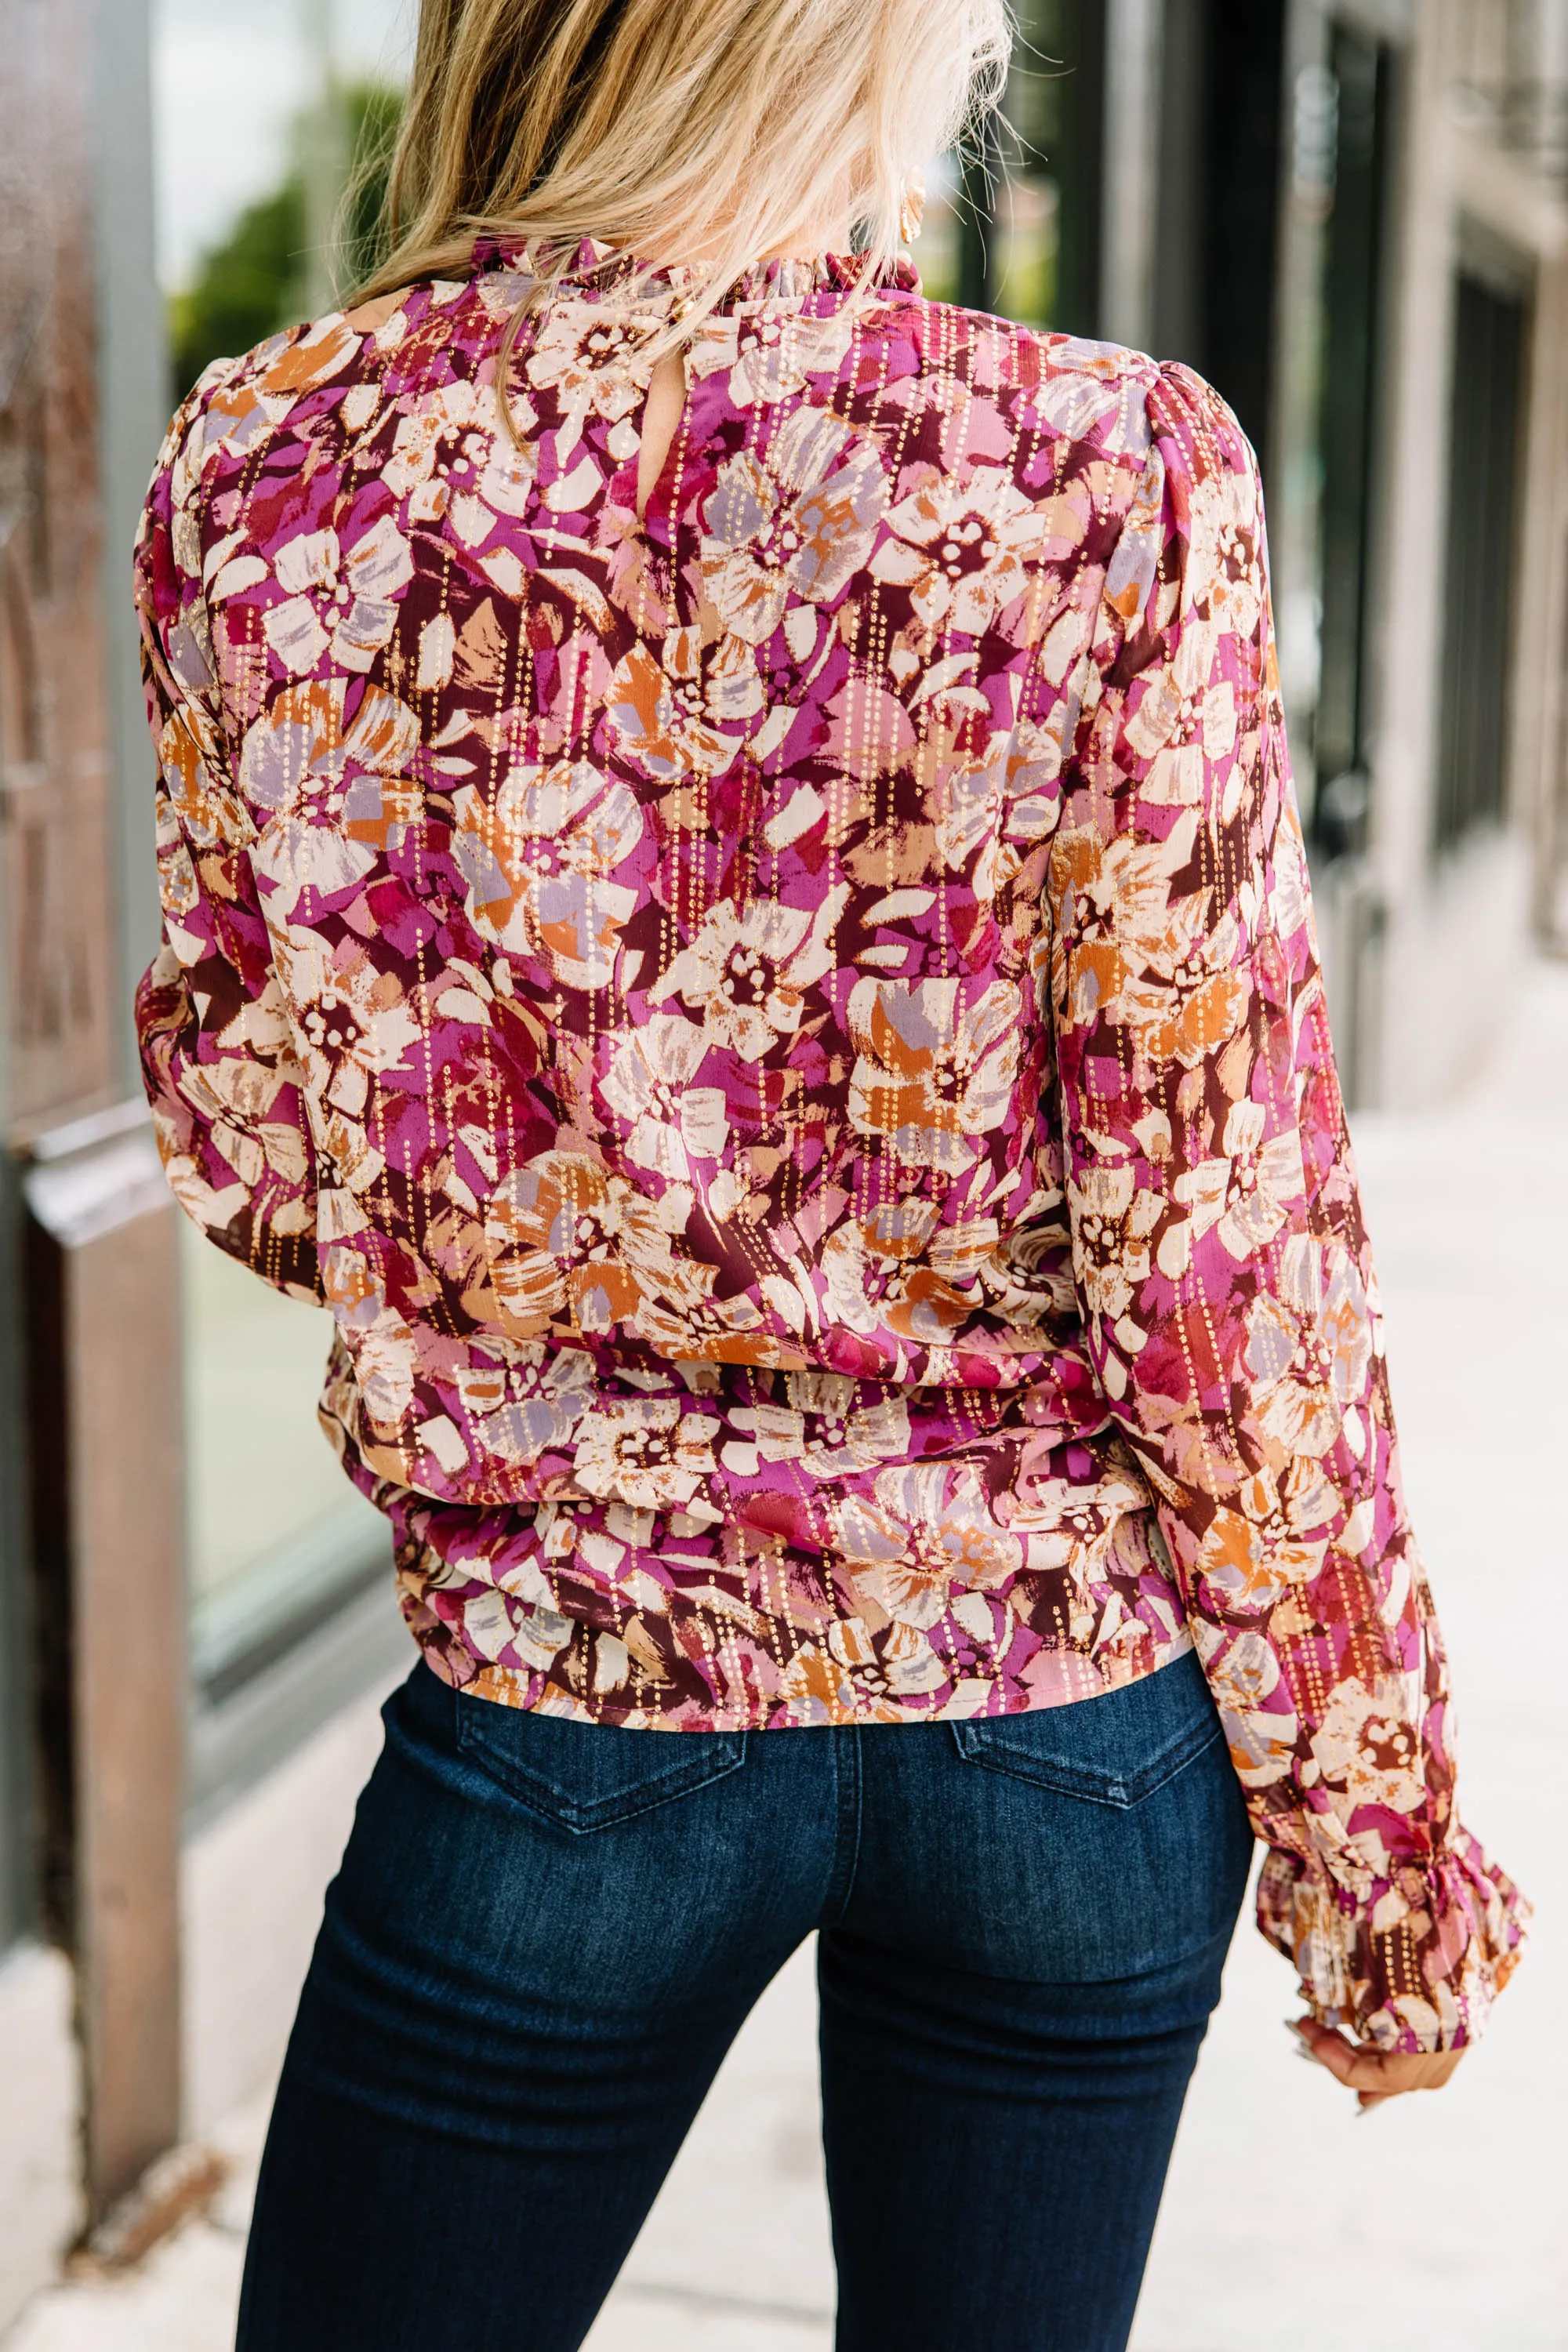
(789, 1035)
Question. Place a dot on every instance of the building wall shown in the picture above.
(59, 927)
(1457, 928)
(251, 1903)
(58, 1003)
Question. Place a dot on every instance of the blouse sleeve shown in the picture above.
(217, 1059)
(1222, 1264)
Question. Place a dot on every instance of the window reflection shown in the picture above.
(268, 112)
(276, 1536)
(1016, 229)
(1028, 213)
(938, 250)
(261, 110)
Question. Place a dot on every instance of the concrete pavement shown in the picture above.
(1434, 2225)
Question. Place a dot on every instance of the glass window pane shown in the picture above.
(1017, 231)
(276, 1535)
(260, 107)
(1027, 211)
(937, 251)
(1049, 227)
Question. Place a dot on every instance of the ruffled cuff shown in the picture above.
(1412, 1966)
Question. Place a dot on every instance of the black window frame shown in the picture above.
(20, 1906)
(1493, 319)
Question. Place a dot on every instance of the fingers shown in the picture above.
(1374, 2075)
(1322, 2044)
(1444, 2064)
(1358, 2069)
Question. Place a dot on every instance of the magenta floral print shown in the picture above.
(788, 1034)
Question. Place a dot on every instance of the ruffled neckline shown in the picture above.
(597, 270)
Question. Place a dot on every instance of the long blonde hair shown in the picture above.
(713, 128)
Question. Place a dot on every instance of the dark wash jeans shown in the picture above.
(545, 1935)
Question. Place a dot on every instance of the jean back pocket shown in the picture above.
(588, 1775)
(1113, 1750)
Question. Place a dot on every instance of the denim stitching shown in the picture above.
(550, 1800)
(848, 1784)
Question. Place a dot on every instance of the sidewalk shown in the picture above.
(1434, 2225)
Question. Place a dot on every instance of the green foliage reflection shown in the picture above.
(257, 279)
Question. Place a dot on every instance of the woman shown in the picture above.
(735, 908)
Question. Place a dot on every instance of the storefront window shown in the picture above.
(1326, 412)
(262, 113)
(1016, 229)
(939, 250)
(1028, 215)
(277, 1537)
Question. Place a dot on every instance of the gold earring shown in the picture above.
(912, 209)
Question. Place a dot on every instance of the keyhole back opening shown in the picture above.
(661, 418)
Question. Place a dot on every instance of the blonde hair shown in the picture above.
(711, 130)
